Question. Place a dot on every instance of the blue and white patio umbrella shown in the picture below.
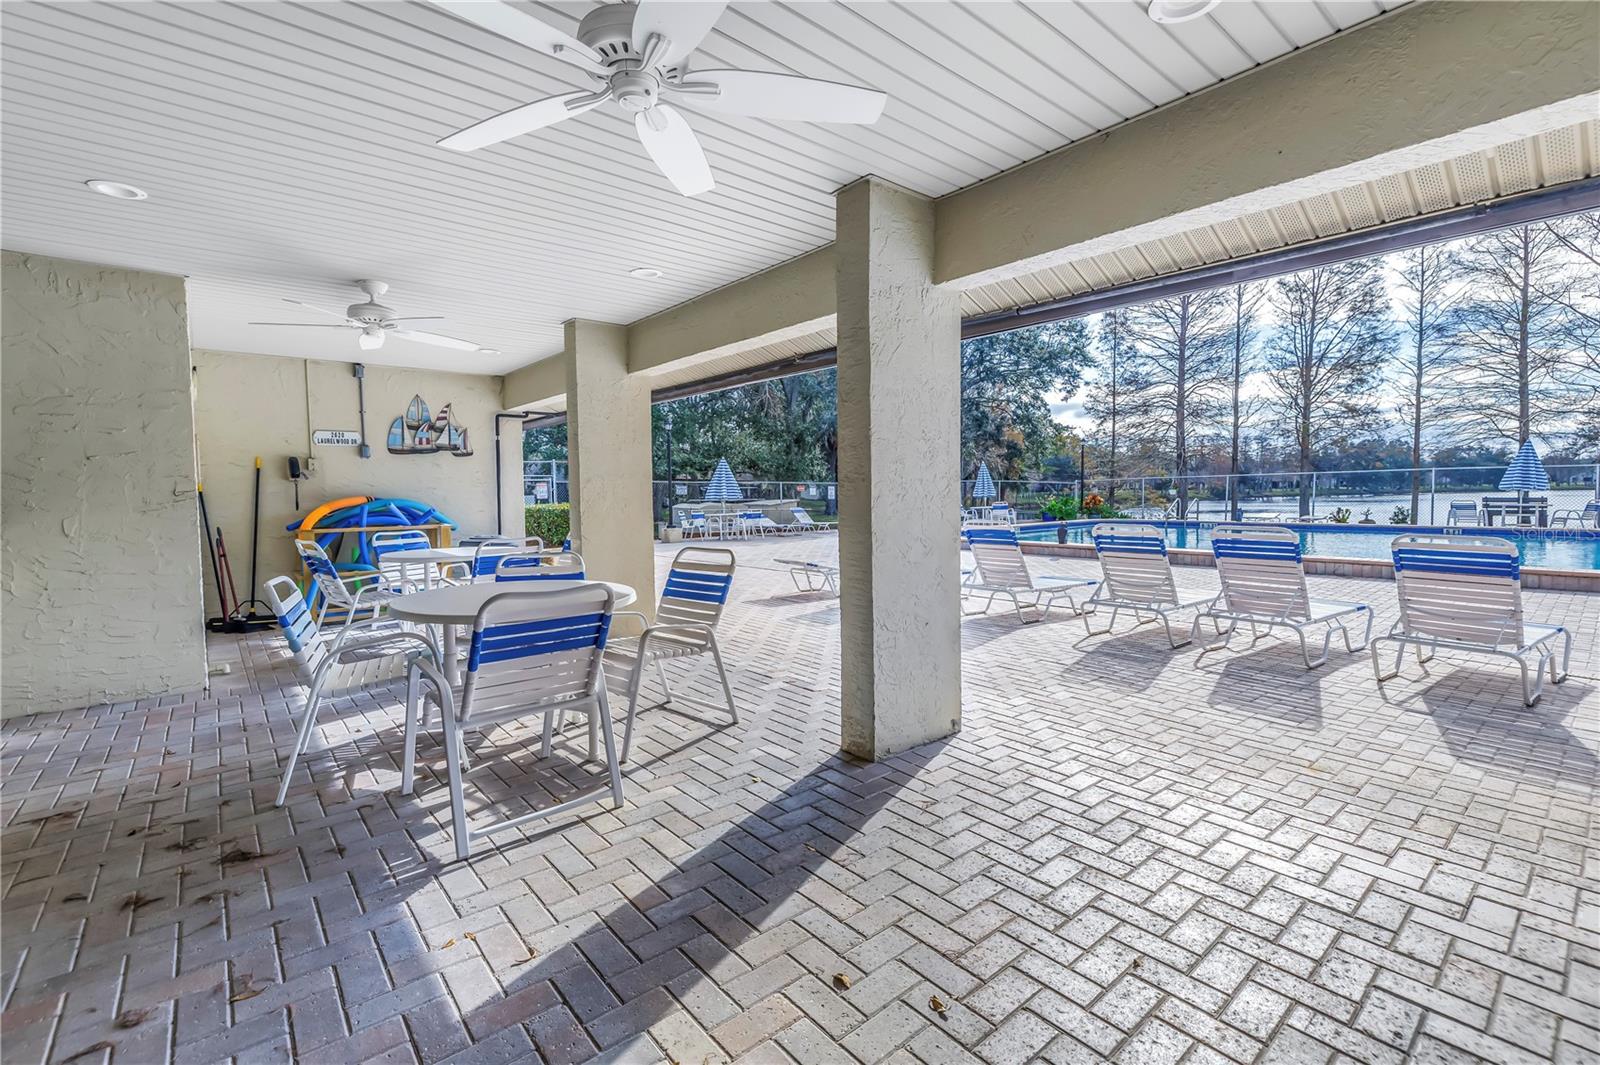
(983, 487)
(1526, 473)
(723, 488)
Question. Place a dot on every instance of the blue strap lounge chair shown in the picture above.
(1001, 571)
(1461, 593)
(1137, 578)
(1264, 586)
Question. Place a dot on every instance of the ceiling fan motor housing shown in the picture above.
(609, 31)
(370, 313)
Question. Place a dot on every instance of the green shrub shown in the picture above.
(550, 522)
(1062, 507)
(1340, 515)
(1401, 516)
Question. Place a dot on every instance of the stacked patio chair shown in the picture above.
(685, 627)
(1463, 593)
(1264, 586)
(359, 655)
(532, 653)
(1001, 571)
(1137, 577)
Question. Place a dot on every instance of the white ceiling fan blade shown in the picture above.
(320, 310)
(519, 120)
(682, 25)
(303, 325)
(438, 339)
(523, 28)
(675, 149)
(419, 318)
(784, 96)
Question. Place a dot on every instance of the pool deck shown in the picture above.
(1128, 853)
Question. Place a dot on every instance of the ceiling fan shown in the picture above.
(376, 322)
(636, 53)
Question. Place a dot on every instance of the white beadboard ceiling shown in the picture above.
(288, 148)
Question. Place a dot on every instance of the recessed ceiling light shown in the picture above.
(488, 351)
(1168, 12)
(117, 189)
(646, 273)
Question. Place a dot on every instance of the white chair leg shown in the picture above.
(458, 800)
(602, 713)
(307, 723)
(594, 734)
(666, 688)
(408, 762)
(727, 689)
(635, 682)
(549, 726)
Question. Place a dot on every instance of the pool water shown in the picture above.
(1539, 549)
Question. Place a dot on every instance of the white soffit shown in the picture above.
(1553, 158)
(288, 148)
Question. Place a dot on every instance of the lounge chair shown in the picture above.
(811, 576)
(756, 523)
(1264, 585)
(1000, 570)
(1463, 593)
(1586, 518)
(1463, 512)
(1138, 579)
(810, 524)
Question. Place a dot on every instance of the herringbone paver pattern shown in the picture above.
(1127, 854)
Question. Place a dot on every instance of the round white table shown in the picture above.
(459, 605)
(435, 556)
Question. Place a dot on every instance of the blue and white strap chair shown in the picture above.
(1000, 570)
(533, 652)
(1264, 586)
(539, 566)
(1464, 593)
(811, 576)
(1002, 512)
(1463, 512)
(697, 525)
(685, 627)
(389, 550)
(486, 558)
(756, 523)
(359, 655)
(1586, 517)
(334, 593)
(1137, 577)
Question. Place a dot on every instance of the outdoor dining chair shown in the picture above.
(486, 558)
(389, 548)
(533, 653)
(539, 566)
(333, 592)
(358, 656)
(1264, 586)
(685, 627)
(1463, 593)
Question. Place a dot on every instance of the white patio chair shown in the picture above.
(697, 525)
(1464, 593)
(756, 523)
(685, 627)
(1586, 517)
(336, 593)
(810, 524)
(539, 566)
(388, 550)
(486, 557)
(532, 653)
(811, 576)
(1137, 578)
(1001, 570)
(359, 655)
(1264, 585)
(1463, 512)
(1002, 513)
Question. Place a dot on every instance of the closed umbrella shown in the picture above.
(1525, 474)
(983, 488)
(723, 488)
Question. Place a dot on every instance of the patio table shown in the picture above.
(441, 555)
(459, 605)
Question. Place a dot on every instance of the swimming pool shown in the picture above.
(1573, 549)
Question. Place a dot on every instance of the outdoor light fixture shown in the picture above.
(488, 351)
(371, 338)
(117, 189)
(1168, 12)
(644, 273)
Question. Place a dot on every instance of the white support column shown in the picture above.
(608, 459)
(899, 467)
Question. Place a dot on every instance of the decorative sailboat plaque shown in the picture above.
(420, 432)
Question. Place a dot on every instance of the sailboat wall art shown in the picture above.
(420, 432)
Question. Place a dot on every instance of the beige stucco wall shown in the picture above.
(99, 539)
(268, 405)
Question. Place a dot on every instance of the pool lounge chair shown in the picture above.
(811, 576)
(1462, 593)
(1588, 517)
(1000, 570)
(1137, 578)
(1463, 512)
(804, 522)
(1264, 586)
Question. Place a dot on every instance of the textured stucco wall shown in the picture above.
(99, 551)
(899, 492)
(608, 459)
(249, 405)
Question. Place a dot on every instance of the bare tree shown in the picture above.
(1579, 294)
(1324, 355)
(1422, 279)
(1179, 346)
(1514, 331)
(1244, 307)
(1115, 394)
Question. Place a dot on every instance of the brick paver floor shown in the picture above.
(1128, 853)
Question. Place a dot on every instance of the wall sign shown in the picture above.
(336, 438)
(417, 432)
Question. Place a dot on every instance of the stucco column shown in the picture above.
(899, 475)
(608, 459)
